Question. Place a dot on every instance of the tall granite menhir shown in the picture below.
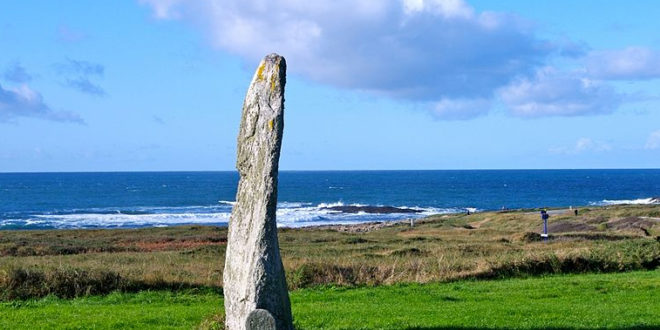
(254, 275)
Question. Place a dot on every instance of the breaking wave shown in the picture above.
(640, 201)
(289, 214)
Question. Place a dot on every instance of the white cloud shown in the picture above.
(443, 54)
(420, 50)
(632, 63)
(445, 8)
(653, 142)
(555, 93)
(582, 145)
(25, 102)
(460, 109)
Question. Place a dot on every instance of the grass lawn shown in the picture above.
(621, 300)
(618, 300)
(144, 310)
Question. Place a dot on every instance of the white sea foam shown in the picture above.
(91, 220)
(289, 214)
(335, 204)
(640, 201)
(289, 205)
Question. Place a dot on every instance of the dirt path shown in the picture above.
(478, 224)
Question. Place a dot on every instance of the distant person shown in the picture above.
(576, 212)
(545, 216)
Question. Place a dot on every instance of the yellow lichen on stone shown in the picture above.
(260, 71)
(270, 124)
(273, 77)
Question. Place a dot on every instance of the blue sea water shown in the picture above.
(142, 199)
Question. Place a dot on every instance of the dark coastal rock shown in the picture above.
(655, 200)
(632, 223)
(570, 226)
(370, 209)
(254, 276)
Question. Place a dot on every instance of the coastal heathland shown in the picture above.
(71, 263)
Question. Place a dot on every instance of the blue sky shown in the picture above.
(409, 84)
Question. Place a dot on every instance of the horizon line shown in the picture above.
(339, 170)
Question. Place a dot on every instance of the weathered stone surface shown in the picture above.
(254, 275)
(260, 319)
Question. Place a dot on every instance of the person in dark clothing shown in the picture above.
(545, 216)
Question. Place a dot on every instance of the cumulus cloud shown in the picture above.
(632, 63)
(16, 73)
(582, 145)
(79, 75)
(420, 50)
(25, 102)
(653, 142)
(442, 54)
(555, 93)
(447, 8)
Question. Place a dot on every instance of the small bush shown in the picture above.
(529, 237)
(70, 283)
(22, 283)
(27, 283)
(314, 274)
(553, 264)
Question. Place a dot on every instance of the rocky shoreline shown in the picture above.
(370, 209)
(362, 227)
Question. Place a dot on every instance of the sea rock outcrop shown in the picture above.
(370, 209)
(254, 275)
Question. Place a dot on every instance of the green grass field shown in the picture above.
(485, 270)
(620, 300)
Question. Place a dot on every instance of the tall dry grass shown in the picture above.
(440, 248)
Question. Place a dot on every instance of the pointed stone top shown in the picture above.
(271, 73)
(273, 56)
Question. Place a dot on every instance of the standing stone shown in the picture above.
(254, 275)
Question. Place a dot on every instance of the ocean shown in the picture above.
(147, 199)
